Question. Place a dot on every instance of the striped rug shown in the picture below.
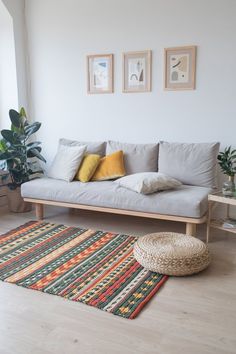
(96, 268)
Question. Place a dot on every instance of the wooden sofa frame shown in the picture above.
(191, 223)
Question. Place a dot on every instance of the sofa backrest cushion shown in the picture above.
(137, 157)
(193, 164)
(98, 148)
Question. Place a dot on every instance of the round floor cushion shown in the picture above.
(171, 253)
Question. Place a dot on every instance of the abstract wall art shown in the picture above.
(180, 68)
(137, 71)
(100, 73)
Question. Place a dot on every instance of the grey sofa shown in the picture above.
(193, 164)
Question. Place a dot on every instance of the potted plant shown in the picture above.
(19, 155)
(227, 162)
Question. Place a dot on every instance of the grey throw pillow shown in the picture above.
(194, 164)
(137, 157)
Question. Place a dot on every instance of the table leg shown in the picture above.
(227, 211)
(209, 221)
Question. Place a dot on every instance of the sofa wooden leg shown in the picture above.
(39, 211)
(190, 229)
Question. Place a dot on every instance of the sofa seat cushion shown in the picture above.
(188, 201)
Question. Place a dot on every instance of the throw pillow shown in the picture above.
(148, 182)
(110, 167)
(66, 162)
(137, 157)
(88, 167)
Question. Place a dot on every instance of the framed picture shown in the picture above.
(100, 73)
(180, 68)
(137, 71)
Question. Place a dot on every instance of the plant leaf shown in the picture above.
(5, 156)
(30, 153)
(32, 128)
(34, 172)
(37, 154)
(22, 112)
(3, 145)
(33, 145)
(15, 118)
(10, 136)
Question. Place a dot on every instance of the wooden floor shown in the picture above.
(189, 315)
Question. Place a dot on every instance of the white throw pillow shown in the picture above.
(148, 182)
(66, 162)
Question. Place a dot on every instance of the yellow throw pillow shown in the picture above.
(110, 167)
(87, 168)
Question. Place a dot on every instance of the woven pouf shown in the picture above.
(171, 253)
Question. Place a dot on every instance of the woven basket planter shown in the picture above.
(16, 203)
(172, 253)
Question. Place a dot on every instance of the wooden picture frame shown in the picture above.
(137, 71)
(100, 73)
(180, 68)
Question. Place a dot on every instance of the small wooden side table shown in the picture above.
(213, 199)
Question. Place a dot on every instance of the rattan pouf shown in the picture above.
(171, 253)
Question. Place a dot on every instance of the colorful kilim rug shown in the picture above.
(94, 267)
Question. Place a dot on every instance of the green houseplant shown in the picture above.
(19, 155)
(227, 162)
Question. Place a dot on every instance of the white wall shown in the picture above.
(16, 9)
(62, 32)
(8, 80)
